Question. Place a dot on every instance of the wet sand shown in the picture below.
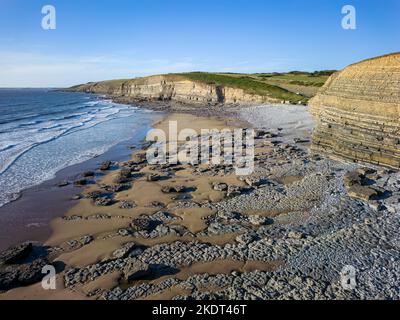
(105, 231)
(142, 194)
(270, 243)
(28, 218)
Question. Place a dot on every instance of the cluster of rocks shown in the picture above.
(314, 259)
(118, 187)
(106, 165)
(231, 190)
(174, 189)
(305, 216)
(19, 266)
(236, 217)
(83, 241)
(158, 225)
(313, 225)
(99, 216)
(379, 188)
(126, 204)
(214, 170)
(86, 176)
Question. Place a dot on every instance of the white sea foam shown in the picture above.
(20, 140)
(33, 150)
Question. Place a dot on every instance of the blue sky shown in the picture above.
(97, 40)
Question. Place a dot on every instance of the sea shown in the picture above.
(45, 130)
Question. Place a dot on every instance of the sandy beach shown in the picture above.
(28, 218)
(183, 231)
(188, 159)
(63, 230)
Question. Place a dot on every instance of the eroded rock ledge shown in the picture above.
(358, 113)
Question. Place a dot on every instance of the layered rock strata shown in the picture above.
(173, 88)
(358, 113)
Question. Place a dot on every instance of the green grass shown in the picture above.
(248, 83)
(300, 78)
(274, 85)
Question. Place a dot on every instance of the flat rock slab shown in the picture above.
(362, 193)
(15, 254)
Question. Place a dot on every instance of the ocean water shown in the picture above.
(43, 131)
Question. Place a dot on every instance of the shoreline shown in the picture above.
(21, 221)
(28, 217)
(265, 236)
(59, 232)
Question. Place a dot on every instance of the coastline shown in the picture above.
(28, 217)
(223, 235)
(59, 230)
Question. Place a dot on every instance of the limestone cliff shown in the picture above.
(358, 113)
(174, 88)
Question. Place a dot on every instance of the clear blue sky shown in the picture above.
(97, 40)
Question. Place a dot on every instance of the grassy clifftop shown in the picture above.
(295, 87)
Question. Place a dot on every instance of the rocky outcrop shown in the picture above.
(173, 88)
(358, 113)
(21, 266)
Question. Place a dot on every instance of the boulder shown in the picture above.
(136, 270)
(362, 192)
(22, 274)
(295, 235)
(124, 232)
(87, 174)
(16, 254)
(220, 186)
(157, 204)
(125, 173)
(103, 201)
(116, 187)
(126, 250)
(153, 177)
(32, 272)
(173, 189)
(94, 194)
(259, 220)
(234, 191)
(352, 178)
(126, 204)
(142, 223)
(105, 166)
(63, 184)
(80, 182)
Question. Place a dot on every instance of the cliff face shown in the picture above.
(174, 88)
(358, 113)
